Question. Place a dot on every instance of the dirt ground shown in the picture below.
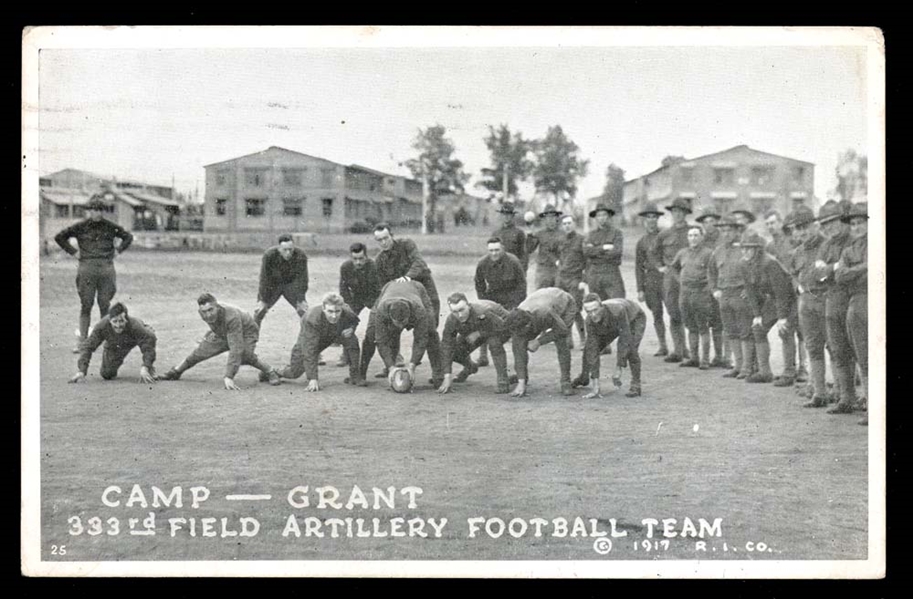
(784, 482)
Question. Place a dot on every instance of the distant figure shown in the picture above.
(513, 239)
(95, 251)
(548, 242)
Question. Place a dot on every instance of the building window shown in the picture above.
(762, 175)
(798, 174)
(255, 177)
(255, 206)
(221, 206)
(327, 207)
(79, 212)
(292, 206)
(687, 175)
(723, 176)
(221, 178)
(292, 177)
(61, 211)
(327, 177)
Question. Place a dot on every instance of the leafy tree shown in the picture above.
(852, 174)
(613, 194)
(436, 162)
(508, 151)
(558, 165)
(672, 160)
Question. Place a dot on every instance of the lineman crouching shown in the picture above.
(403, 305)
(606, 321)
(469, 325)
(772, 301)
(546, 315)
(335, 323)
(120, 333)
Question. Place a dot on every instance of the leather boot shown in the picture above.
(694, 347)
(844, 375)
(705, 351)
(819, 390)
(500, 362)
(635, 388)
(748, 359)
(736, 348)
(763, 375)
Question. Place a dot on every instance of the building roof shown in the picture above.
(705, 156)
(152, 198)
(264, 152)
(62, 196)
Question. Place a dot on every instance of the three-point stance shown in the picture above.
(605, 321)
(546, 315)
(469, 325)
(120, 333)
(232, 331)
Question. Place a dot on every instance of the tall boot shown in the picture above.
(635, 389)
(705, 351)
(694, 347)
(719, 350)
(763, 375)
(483, 354)
(802, 371)
(500, 361)
(844, 375)
(678, 344)
(660, 327)
(736, 359)
(748, 359)
(819, 399)
(788, 343)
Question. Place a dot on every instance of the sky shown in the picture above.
(157, 114)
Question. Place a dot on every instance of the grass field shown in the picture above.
(695, 445)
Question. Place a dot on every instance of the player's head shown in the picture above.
(495, 248)
(695, 236)
(97, 204)
(359, 254)
(459, 306)
(774, 223)
(592, 305)
(332, 306)
(567, 223)
(400, 313)
(208, 307)
(383, 236)
(117, 316)
(286, 246)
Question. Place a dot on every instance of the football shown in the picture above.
(400, 380)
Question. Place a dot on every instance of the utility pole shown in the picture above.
(425, 194)
(504, 186)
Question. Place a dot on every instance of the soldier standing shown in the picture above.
(696, 301)
(853, 272)
(548, 242)
(512, 238)
(668, 244)
(95, 251)
(603, 250)
(782, 247)
(283, 273)
(500, 278)
(359, 284)
(570, 272)
(728, 276)
(708, 220)
(649, 278)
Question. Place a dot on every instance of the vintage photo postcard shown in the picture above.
(508, 302)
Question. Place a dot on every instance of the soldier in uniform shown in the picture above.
(837, 302)
(359, 284)
(649, 278)
(120, 333)
(708, 219)
(782, 246)
(696, 301)
(499, 278)
(727, 274)
(231, 330)
(403, 305)
(548, 242)
(512, 238)
(334, 323)
(604, 248)
(570, 272)
(853, 273)
(772, 301)
(546, 315)
(668, 244)
(469, 325)
(607, 320)
(283, 273)
(812, 291)
(95, 251)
